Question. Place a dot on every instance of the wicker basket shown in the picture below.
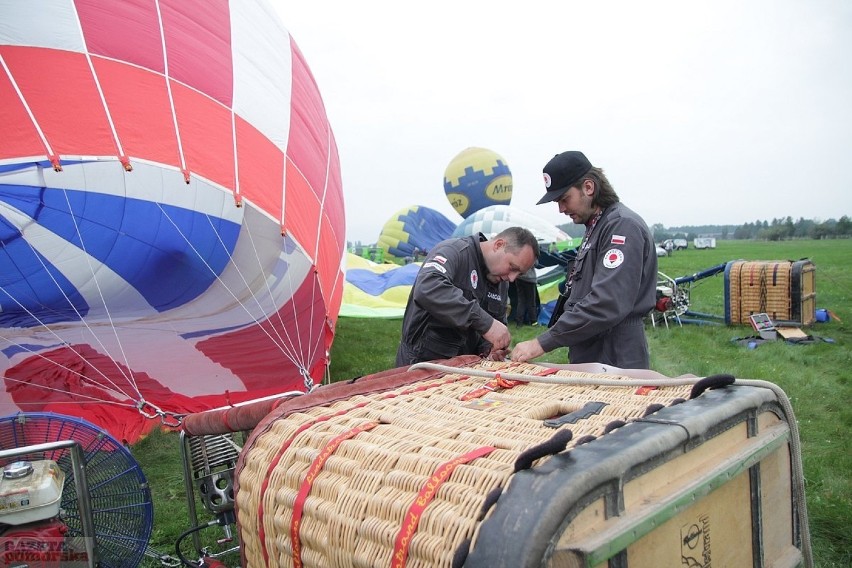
(785, 290)
(404, 475)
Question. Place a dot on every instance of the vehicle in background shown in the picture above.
(704, 242)
(674, 244)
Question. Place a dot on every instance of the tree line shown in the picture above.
(774, 230)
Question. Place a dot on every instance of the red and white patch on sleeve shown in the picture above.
(618, 240)
(613, 258)
(441, 259)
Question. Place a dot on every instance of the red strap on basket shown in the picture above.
(314, 469)
(427, 493)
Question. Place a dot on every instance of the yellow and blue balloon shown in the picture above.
(477, 178)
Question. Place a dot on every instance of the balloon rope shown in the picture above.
(293, 348)
(114, 386)
(129, 375)
(222, 282)
(282, 344)
(23, 100)
(72, 371)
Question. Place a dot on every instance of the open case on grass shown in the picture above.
(763, 325)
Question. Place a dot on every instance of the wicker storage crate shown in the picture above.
(461, 467)
(783, 289)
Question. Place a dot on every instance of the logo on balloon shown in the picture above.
(500, 189)
(459, 202)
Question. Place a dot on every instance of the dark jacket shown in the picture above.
(451, 304)
(614, 287)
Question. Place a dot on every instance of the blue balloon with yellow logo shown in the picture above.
(477, 178)
(413, 231)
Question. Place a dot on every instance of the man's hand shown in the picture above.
(498, 336)
(526, 350)
(498, 354)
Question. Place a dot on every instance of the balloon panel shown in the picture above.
(477, 178)
(376, 290)
(171, 210)
(492, 220)
(414, 227)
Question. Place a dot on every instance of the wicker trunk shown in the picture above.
(467, 465)
(783, 289)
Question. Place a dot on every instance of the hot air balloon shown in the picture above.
(171, 210)
(477, 178)
(414, 227)
(376, 290)
(491, 220)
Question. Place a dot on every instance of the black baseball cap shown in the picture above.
(563, 171)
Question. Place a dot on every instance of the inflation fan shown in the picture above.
(44, 506)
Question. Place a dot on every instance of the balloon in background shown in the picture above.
(477, 178)
(491, 220)
(171, 211)
(376, 290)
(414, 227)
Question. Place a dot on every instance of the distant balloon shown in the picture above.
(375, 290)
(491, 220)
(171, 211)
(477, 178)
(414, 227)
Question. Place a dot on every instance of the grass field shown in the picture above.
(815, 376)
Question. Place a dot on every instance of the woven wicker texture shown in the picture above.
(760, 287)
(349, 484)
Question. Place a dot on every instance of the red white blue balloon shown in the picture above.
(171, 210)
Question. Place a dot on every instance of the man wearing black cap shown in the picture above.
(613, 282)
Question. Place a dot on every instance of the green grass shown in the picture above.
(816, 377)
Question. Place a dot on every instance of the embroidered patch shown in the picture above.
(613, 258)
(546, 180)
(474, 279)
(434, 265)
(439, 258)
(618, 240)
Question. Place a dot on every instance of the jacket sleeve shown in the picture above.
(618, 269)
(438, 290)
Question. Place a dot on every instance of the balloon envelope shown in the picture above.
(491, 220)
(414, 227)
(171, 210)
(376, 290)
(477, 178)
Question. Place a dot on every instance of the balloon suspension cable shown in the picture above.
(281, 346)
(129, 375)
(112, 385)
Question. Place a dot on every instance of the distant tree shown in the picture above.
(843, 227)
(802, 227)
(822, 231)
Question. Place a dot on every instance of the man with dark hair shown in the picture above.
(613, 282)
(457, 305)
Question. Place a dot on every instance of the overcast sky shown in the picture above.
(699, 112)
